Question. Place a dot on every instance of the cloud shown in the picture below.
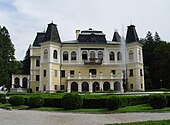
(23, 18)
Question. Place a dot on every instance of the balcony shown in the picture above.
(91, 76)
(93, 61)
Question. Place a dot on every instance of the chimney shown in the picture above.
(77, 33)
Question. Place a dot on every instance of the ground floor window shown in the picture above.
(74, 87)
(62, 87)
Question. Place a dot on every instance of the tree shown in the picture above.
(8, 64)
(26, 62)
(157, 37)
(6, 55)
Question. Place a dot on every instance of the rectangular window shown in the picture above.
(55, 73)
(141, 86)
(37, 78)
(113, 71)
(37, 63)
(131, 87)
(62, 87)
(131, 72)
(37, 88)
(71, 72)
(63, 73)
(124, 73)
(55, 87)
(44, 73)
(141, 74)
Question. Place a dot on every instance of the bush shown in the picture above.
(94, 103)
(3, 100)
(16, 100)
(35, 101)
(168, 99)
(158, 101)
(2, 95)
(52, 102)
(71, 101)
(113, 103)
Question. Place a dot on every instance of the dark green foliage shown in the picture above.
(113, 103)
(16, 100)
(3, 100)
(94, 103)
(158, 101)
(52, 102)
(2, 95)
(35, 101)
(168, 99)
(71, 101)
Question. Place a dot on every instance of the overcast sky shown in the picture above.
(24, 18)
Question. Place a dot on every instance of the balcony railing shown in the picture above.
(91, 76)
(93, 61)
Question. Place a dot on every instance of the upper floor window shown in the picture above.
(44, 74)
(119, 56)
(55, 54)
(131, 72)
(100, 55)
(139, 55)
(131, 55)
(112, 56)
(84, 55)
(73, 55)
(45, 54)
(92, 55)
(65, 55)
(37, 63)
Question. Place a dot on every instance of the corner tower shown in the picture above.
(134, 59)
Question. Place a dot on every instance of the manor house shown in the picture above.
(88, 63)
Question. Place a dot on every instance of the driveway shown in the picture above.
(27, 117)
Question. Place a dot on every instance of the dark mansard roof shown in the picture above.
(51, 34)
(91, 36)
(116, 37)
(131, 35)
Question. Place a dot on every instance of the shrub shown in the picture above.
(94, 103)
(3, 100)
(52, 102)
(35, 101)
(2, 95)
(168, 99)
(71, 101)
(113, 103)
(16, 100)
(158, 101)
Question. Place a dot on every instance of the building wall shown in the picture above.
(51, 65)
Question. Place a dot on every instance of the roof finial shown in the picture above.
(131, 23)
(115, 30)
(52, 21)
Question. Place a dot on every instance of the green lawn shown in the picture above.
(137, 108)
(162, 122)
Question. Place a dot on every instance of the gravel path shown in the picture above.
(25, 117)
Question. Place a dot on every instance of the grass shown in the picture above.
(161, 122)
(136, 108)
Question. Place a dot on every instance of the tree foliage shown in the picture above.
(8, 64)
(156, 54)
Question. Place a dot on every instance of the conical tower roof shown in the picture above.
(52, 33)
(131, 35)
(116, 37)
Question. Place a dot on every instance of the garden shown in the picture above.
(91, 103)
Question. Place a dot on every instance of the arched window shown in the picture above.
(65, 55)
(119, 56)
(112, 56)
(131, 57)
(84, 55)
(73, 55)
(92, 55)
(55, 54)
(45, 54)
(100, 55)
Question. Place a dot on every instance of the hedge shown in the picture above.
(94, 103)
(16, 100)
(52, 102)
(35, 102)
